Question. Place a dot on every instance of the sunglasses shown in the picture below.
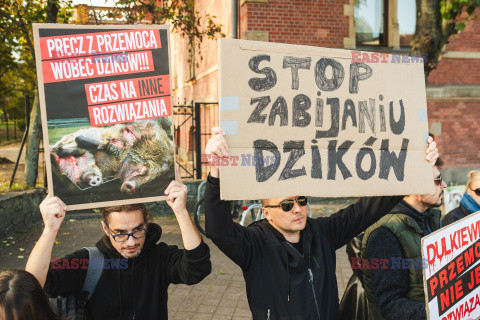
(287, 205)
(477, 191)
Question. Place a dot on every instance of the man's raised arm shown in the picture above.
(53, 212)
(218, 221)
(193, 264)
(176, 194)
(233, 239)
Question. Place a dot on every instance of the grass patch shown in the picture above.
(15, 187)
(14, 133)
(56, 134)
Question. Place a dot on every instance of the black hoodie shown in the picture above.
(131, 288)
(281, 283)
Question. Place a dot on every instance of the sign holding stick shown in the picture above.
(452, 270)
(106, 112)
(315, 121)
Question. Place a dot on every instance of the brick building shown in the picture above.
(453, 92)
(453, 96)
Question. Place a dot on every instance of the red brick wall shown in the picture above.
(456, 72)
(469, 38)
(460, 71)
(308, 22)
(459, 144)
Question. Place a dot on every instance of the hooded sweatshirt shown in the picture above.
(282, 283)
(130, 288)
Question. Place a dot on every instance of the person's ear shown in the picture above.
(266, 214)
(105, 229)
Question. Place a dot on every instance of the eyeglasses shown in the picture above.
(122, 237)
(287, 205)
(438, 180)
(477, 191)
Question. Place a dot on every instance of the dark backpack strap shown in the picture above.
(94, 272)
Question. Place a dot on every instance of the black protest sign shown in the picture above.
(312, 121)
(106, 112)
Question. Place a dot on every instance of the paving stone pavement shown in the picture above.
(220, 296)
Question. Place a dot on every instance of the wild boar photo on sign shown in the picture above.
(314, 121)
(106, 112)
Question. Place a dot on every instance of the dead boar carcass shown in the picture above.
(151, 157)
(82, 169)
(88, 156)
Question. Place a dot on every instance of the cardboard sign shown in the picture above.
(452, 276)
(106, 112)
(319, 122)
(452, 197)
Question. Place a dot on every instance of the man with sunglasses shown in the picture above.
(288, 260)
(136, 271)
(394, 289)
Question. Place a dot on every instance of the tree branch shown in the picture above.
(23, 28)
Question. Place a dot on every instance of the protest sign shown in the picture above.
(452, 273)
(452, 197)
(106, 112)
(321, 122)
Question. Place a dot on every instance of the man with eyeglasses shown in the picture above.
(288, 260)
(134, 282)
(392, 259)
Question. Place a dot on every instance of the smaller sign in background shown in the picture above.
(451, 271)
(452, 197)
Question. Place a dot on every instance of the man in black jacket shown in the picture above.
(288, 260)
(137, 270)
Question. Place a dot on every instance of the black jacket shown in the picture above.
(455, 215)
(131, 288)
(280, 282)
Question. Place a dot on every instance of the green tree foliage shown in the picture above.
(437, 21)
(8, 65)
(16, 17)
(17, 56)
